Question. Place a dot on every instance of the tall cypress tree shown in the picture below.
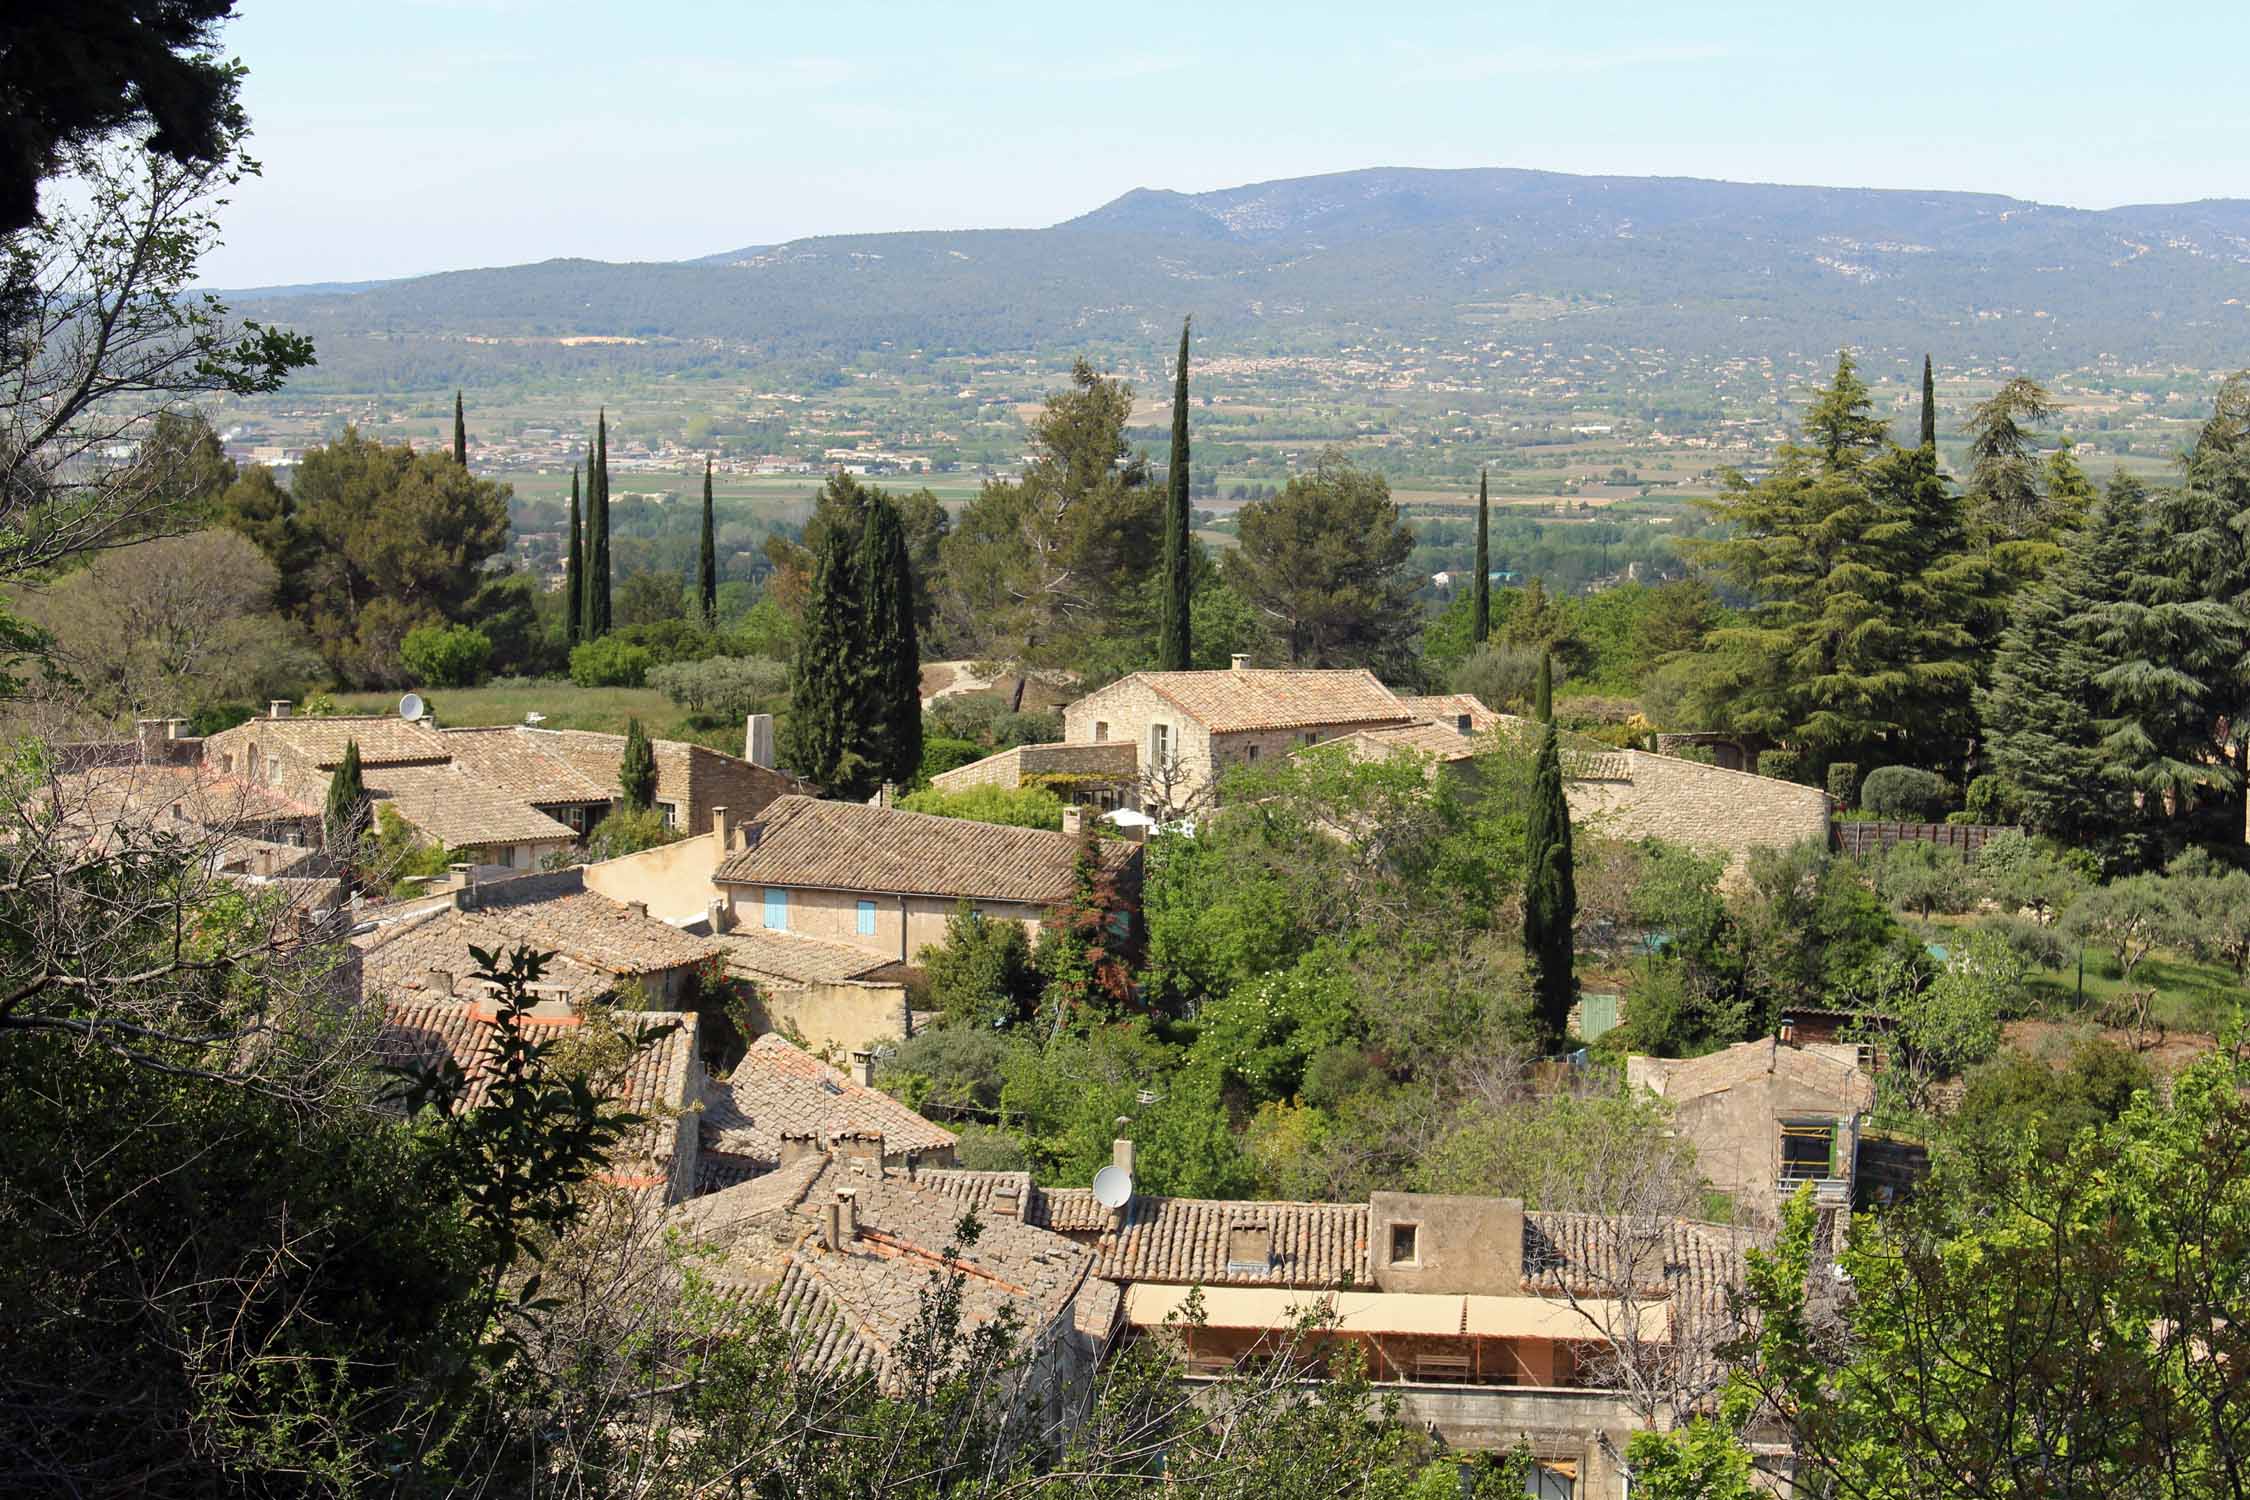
(819, 737)
(1550, 900)
(1483, 626)
(636, 772)
(707, 561)
(345, 817)
(1929, 406)
(597, 537)
(1175, 650)
(887, 716)
(574, 572)
(460, 433)
(1543, 702)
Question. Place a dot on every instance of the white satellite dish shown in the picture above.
(410, 706)
(1113, 1187)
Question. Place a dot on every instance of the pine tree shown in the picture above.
(1482, 628)
(1174, 651)
(460, 433)
(345, 818)
(597, 537)
(886, 716)
(1550, 903)
(574, 572)
(819, 738)
(1543, 701)
(707, 561)
(1929, 405)
(636, 773)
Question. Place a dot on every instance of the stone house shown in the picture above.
(509, 795)
(781, 1102)
(604, 951)
(1767, 1117)
(886, 881)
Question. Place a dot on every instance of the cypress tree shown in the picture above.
(887, 716)
(574, 572)
(818, 737)
(1175, 649)
(345, 817)
(460, 433)
(1483, 626)
(636, 773)
(1550, 902)
(707, 562)
(1543, 705)
(597, 537)
(1929, 406)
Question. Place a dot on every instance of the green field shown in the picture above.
(566, 706)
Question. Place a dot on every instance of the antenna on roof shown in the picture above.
(411, 706)
(1113, 1187)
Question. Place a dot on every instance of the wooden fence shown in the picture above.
(1856, 839)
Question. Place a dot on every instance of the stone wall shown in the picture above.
(1010, 768)
(834, 915)
(1638, 795)
(1469, 1245)
(1127, 709)
(834, 1019)
(696, 778)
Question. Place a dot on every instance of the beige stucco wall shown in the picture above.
(833, 1020)
(674, 879)
(1733, 1116)
(1702, 807)
(1469, 1245)
(834, 915)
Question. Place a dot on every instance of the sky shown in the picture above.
(422, 135)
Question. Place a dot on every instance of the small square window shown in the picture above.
(1406, 1244)
(866, 919)
(1101, 730)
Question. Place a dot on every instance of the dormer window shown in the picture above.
(1250, 1249)
(1461, 723)
(1406, 1244)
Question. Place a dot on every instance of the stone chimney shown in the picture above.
(847, 1205)
(757, 740)
(1074, 820)
(151, 736)
(717, 915)
(278, 708)
(886, 795)
(863, 1067)
(1007, 1201)
(859, 1146)
(796, 1145)
(1121, 1155)
(722, 827)
(831, 1225)
(1239, 662)
(1250, 1247)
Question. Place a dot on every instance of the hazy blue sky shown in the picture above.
(422, 135)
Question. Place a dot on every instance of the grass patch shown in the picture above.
(566, 705)
(2189, 996)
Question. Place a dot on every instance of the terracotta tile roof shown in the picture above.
(1184, 1240)
(983, 1191)
(598, 942)
(852, 1308)
(459, 810)
(793, 959)
(527, 764)
(384, 739)
(779, 1088)
(204, 796)
(1850, 1086)
(1439, 741)
(1445, 708)
(850, 846)
(1226, 702)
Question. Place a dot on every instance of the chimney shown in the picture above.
(638, 908)
(1239, 662)
(831, 1225)
(1250, 1247)
(847, 1205)
(1121, 1155)
(796, 1145)
(861, 1146)
(1007, 1201)
(151, 737)
(863, 1067)
(278, 709)
(175, 729)
(439, 981)
(1074, 820)
(757, 740)
(722, 825)
(717, 915)
(887, 794)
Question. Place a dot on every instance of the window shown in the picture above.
(777, 910)
(1808, 1149)
(1461, 723)
(1250, 1248)
(1406, 1244)
(866, 919)
(1250, 752)
(1101, 730)
(669, 813)
(1159, 744)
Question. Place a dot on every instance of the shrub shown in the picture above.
(1017, 807)
(2021, 873)
(1502, 678)
(983, 973)
(446, 655)
(2035, 944)
(965, 716)
(1992, 800)
(1907, 794)
(1843, 782)
(1923, 877)
(723, 687)
(1782, 765)
(1026, 729)
(940, 755)
(610, 662)
(628, 830)
(669, 640)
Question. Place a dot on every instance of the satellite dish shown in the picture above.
(1113, 1187)
(410, 706)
